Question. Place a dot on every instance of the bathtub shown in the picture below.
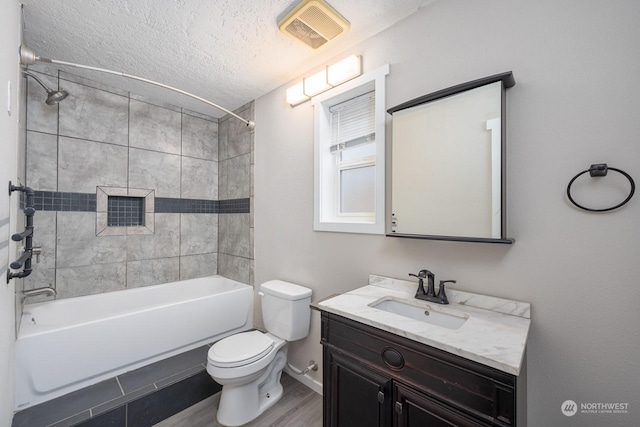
(68, 344)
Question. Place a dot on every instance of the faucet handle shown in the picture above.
(420, 282)
(421, 274)
(441, 292)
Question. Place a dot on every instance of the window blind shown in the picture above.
(353, 122)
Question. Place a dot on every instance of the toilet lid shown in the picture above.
(240, 349)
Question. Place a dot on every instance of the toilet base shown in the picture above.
(240, 404)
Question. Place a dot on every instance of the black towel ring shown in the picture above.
(596, 170)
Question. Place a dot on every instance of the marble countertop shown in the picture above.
(495, 333)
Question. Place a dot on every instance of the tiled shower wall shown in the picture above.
(101, 136)
(235, 169)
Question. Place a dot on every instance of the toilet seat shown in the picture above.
(240, 349)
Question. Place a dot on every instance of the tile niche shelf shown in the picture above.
(102, 211)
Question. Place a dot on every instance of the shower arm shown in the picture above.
(36, 78)
(28, 57)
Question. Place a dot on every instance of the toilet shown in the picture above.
(248, 365)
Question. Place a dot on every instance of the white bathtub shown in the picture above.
(68, 344)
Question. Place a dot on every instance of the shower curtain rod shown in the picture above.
(28, 57)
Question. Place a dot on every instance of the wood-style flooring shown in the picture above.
(299, 406)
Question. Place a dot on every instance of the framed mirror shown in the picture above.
(448, 163)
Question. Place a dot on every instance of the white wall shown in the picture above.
(9, 72)
(576, 102)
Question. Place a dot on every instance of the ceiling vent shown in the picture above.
(313, 22)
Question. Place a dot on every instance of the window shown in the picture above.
(349, 156)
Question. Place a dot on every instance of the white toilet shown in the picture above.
(248, 365)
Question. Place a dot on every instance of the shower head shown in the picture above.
(54, 96)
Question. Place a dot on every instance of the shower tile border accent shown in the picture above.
(87, 202)
(64, 201)
(170, 205)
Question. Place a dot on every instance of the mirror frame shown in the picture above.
(508, 81)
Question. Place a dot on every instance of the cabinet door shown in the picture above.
(358, 396)
(413, 409)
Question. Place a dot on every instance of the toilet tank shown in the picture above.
(285, 309)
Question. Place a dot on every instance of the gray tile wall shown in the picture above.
(21, 179)
(101, 136)
(235, 176)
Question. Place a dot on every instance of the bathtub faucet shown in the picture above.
(39, 291)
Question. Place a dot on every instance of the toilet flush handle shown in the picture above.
(261, 293)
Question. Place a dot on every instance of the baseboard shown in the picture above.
(307, 381)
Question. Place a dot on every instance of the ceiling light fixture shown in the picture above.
(344, 70)
(325, 79)
(295, 94)
(316, 83)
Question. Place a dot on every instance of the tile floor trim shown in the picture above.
(169, 380)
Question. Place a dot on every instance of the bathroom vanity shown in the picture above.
(382, 368)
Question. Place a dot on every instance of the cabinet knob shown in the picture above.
(398, 407)
(393, 358)
(380, 397)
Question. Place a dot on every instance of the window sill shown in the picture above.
(350, 227)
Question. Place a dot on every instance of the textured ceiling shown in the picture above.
(227, 51)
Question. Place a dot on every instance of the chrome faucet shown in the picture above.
(430, 294)
(39, 291)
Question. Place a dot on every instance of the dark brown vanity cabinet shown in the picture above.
(373, 378)
(358, 396)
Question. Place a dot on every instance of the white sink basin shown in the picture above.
(423, 313)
